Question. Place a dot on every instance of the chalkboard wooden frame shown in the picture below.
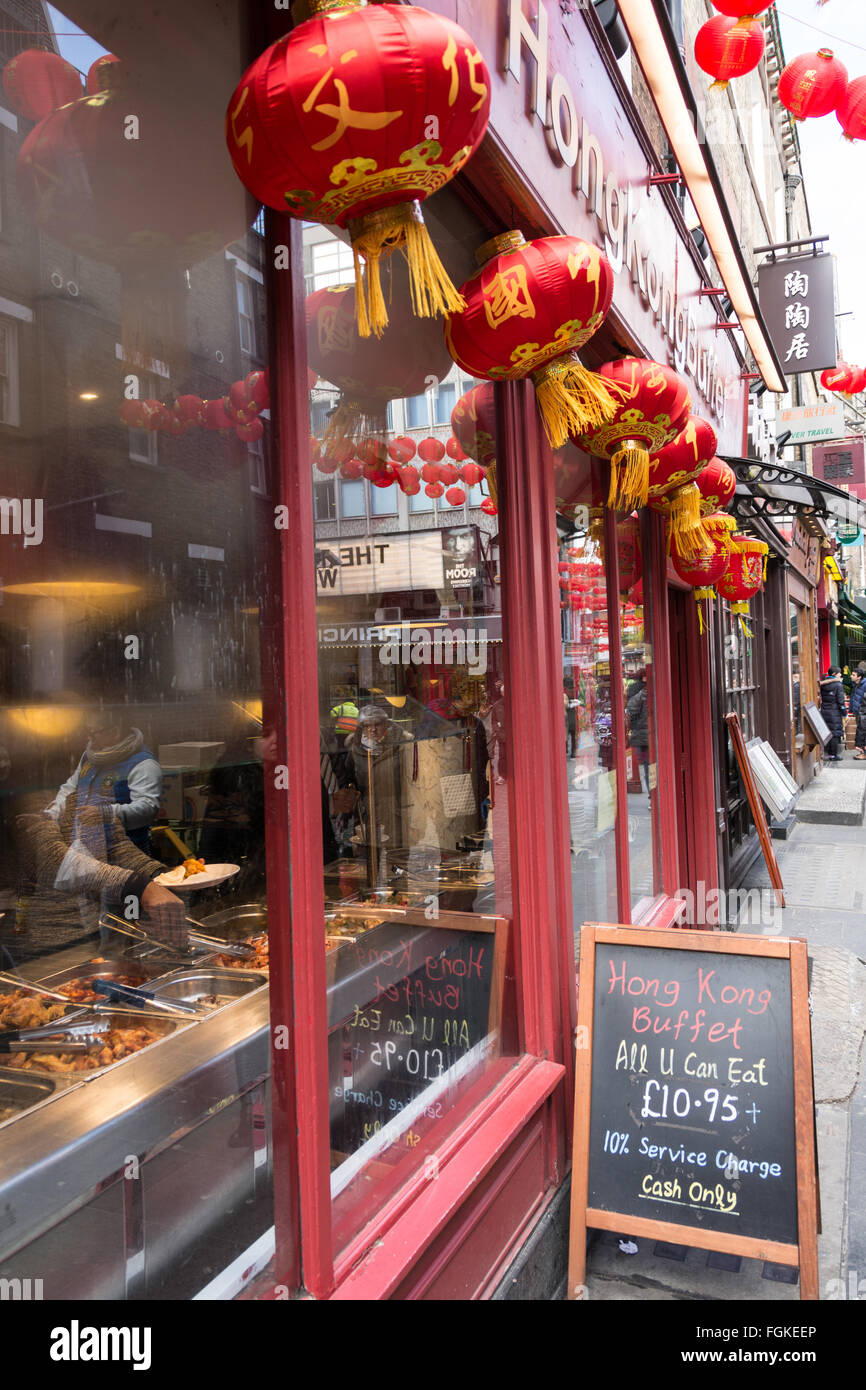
(756, 806)
(804, 1255)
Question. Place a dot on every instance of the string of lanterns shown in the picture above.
(238, 411)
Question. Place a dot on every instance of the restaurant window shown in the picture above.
(325, 500)
(352, 499)
(417, 879)
(637, 582)
(139, 696)
(333, 263)
(9, 399)
(445, 400)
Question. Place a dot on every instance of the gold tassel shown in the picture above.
(356, 422)
(490, 476)
(571, 398)
(700, 595)
(686, 525)
(629, 477)
(375, 237)
(741, 610)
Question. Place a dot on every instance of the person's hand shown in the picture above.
(166, 915)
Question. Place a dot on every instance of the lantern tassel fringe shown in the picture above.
(741, 611)
(376, 237)
(572, 399)
(686, 530)
(700, 595)
(629, 478)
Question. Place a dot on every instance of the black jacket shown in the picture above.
(834, 706)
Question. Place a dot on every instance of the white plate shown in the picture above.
(213, 874)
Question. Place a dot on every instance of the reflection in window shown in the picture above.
(352, 503)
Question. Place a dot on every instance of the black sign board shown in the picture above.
(818, 724)
(410, 1008)
(694, 1113)
(797, 297)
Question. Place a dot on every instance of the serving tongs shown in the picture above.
(75, 1006)
(128, 994)
(56, 1037)
(196, 938)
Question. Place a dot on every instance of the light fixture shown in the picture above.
(46, 721)
(665, 74)
(88, 395)
(781, 441)
(77, 590)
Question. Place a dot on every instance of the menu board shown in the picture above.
(415, 1008)
(694, 1115)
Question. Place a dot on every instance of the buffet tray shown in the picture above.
(20, 1093)
(164, 1027)
(102, 968)
(199, 985)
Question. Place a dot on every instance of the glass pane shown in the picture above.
(639, 693)
(414, 790)
(586, 681)
(352, 502)
(136, 708)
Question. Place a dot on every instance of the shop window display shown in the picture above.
(414, 744)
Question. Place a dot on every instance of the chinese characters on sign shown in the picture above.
(797, 300)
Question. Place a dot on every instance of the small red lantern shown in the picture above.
(434, 489)
(744, 576)
(857, 381)
(651, 409)
(402, 449)
(473, 421)
(717, 484)
(431, 450)
(727, 48)
(703, 570)
(248, 433)
(214, 415)
(453, 450)
(369, 375)
(37, 82)
(408, 478)
(851, 111)
(837, 378)
(256, 389)
(455, 496)
(99, 74)
(352, 469)
(189, 408)
(529, 309)
(471, 473)
(489, 506)
(813, 84)
(332, 124)
(741, 9)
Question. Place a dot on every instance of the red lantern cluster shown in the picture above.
(844, 380)
(36, 82)
(388, 465)
(238, 411)
(703, 571)
(744, 576)
(727, 47)
(529, 309)
(333, 123)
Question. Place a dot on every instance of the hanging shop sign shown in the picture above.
(376, 564)
(694, 1110)
(810, 423)
(843, 464)
(798, 300)
(590, 176)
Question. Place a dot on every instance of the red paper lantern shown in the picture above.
(856, 381)
(672, 473)
(133, 414)
(254, 430)
(717, 484)
(409, 479)
(529, 309)
(189, 408)
(352, 469)
(332, 124)
(455, 496)
(744, 575)
(652, 404)
(326, 464)
(703, 570)
(434, 489)
(813, 84)
(837, 378)
(727, 48)
(37, 82)
(214, 415)
(430, 473)
(489, 506)
(402, 449)
(473, 421)
(431, 450)
(741, 9)
(471, 473)
(100, 75)
(453, 450)
(369, 375)
(851, 111)
(448, 473)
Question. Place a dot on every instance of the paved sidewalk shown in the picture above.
(823, 869)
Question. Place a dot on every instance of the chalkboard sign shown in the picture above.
(694, 1111)
(411, 1007)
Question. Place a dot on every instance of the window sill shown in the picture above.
(471, 1152)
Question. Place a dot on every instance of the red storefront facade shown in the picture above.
(611, 826)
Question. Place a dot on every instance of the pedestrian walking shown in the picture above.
(834, 708)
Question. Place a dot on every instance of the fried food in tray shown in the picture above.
(259, 961)
(20, 1009)
(82, 991)
(112, 1047)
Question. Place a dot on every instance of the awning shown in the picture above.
(775, 490)
(851, 612)
(832, 569)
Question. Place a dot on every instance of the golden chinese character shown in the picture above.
(473, 58)
(342, 113)
(507, 297)
(245, 139)
(449, 63)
